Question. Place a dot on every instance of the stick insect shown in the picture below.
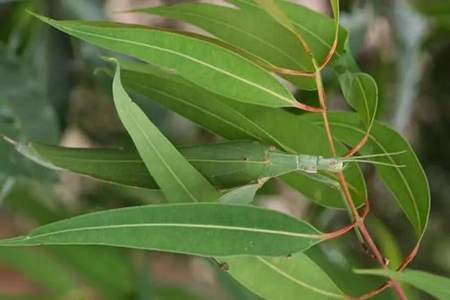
(226, 165)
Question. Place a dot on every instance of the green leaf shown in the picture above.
(178, 179)
(215, 68)
(283, 278)
(434, 285)
(361, 92)
(197, 228)
(408, 184)
(252, 32)
(237, 121)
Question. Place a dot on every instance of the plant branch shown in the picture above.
(344, 185)
(280, 17)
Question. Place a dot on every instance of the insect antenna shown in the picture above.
(378, 155)
(374, 162)
(367, 159)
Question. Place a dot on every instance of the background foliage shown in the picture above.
(50, 93)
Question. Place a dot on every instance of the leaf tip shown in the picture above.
(38, 16)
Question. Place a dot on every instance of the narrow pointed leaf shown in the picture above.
(215, 68)
(237, 121)
(289, 277)
(198, 228)
(437, 286)
(251, 31)
(178, 179)
(361, 92)
(408, 184)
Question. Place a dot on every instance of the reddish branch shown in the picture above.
(359, 219)
(344, 185)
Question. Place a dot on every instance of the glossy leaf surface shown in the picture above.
(178, 179)
(237, 121)
(215, 68)
(199, 228)
(251, 31)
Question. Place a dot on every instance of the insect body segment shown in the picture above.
(226, 165)
(281, 163)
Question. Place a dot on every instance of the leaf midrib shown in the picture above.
(262, 41)
(180, 225)
(262, 130)
(299, 282)
(148, 139)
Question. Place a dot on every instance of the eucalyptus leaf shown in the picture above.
(437, 286)
(178, 179)
(361, 92)
(216, 68)
(407, 182)
(237, 121)
(289, 277)
(197, 228)
(250, 31)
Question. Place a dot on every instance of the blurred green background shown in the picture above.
(52, 90)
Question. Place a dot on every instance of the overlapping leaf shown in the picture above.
(407, 183)
(318, 30)
(255, 32)
(179, 180)
(198, 228)
(238, 121)
(215, 68)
